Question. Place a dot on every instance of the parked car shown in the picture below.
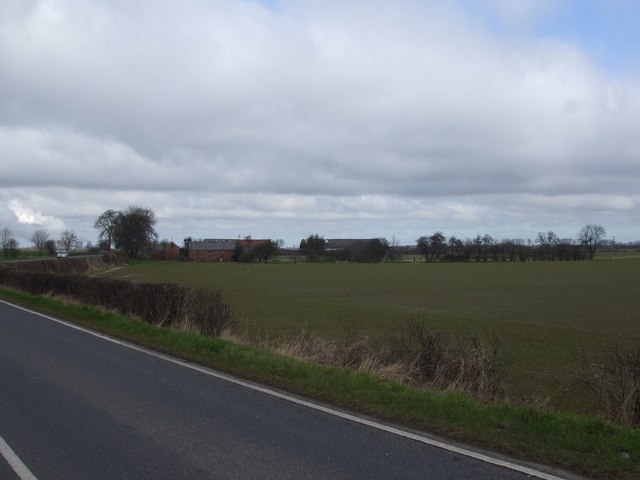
(61, 254)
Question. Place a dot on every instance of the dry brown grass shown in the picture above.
(415, 355)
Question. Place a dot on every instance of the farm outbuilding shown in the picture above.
(219, 250)
(170, 251)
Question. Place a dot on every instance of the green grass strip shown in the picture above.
(586, 445)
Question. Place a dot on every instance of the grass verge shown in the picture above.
(585, 445)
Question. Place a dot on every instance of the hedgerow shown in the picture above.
(163, 304)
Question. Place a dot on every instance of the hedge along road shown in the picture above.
(78, 405)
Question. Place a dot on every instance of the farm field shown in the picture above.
(546, 313)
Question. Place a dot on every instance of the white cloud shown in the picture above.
(34, 218)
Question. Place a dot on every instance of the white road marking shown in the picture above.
(274, 393)
(14, 461)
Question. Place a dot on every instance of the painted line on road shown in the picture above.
(299, 401)
(14, 461)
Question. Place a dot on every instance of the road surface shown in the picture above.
(77, 406)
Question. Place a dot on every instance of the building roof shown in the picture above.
(344, 243)
(211, 244)
(162, 248)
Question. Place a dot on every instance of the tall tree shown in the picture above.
(106, 225)
(135, 230)
(68, 239)
(432, 246)
(268, 249)
(487, 245)
(455, 247)
(590, 236)
(50, 245)
(548, 241)
(238, 250)
(377, 249)
(39, 239)
(314, 247)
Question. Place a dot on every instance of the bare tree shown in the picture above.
(39, 239)
(8, 243)
(548, 242)
(67, 239)
(590, 236)
(106, 226)
(509, 250)
(5, 235)
(487, 246)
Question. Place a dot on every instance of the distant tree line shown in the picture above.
(483, 248)
(40, 239)
(438, 248)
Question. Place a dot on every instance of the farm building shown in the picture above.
(170, 251)
(337, 244)
(219, 250)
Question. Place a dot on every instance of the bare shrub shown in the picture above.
(170, 305)
(477, 367)
(155, 303)
(354, 351)
(206, 312)
(472, 365)
(422, 351)
(613, 375)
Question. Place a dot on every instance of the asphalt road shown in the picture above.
(75, 406)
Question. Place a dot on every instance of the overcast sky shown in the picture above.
(284, 118)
